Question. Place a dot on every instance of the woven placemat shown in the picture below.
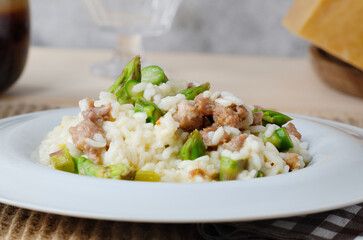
(18, 223)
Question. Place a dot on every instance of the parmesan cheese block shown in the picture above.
(333, 25)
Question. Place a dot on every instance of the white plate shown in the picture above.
(333, 180)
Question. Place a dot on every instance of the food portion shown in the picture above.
(148, 127)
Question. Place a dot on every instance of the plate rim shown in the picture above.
(171, 220)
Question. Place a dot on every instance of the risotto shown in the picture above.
(147, 127)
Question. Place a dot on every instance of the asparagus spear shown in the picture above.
(132, 71)
(152, 111)
(154, 75)
(129, 85)
(115, 171)
(193, 148)
(229, 169)
(147, 176)
(191, 93)
(62, 160)
(270, 116)
(281, 139)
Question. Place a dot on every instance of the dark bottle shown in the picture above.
(14, 40)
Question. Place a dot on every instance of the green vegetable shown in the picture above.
(128, 89)
(154, 75)
(147, 176)
(193, 148)
(131, 72)
(229, 169)
(191, 93)
(115, 171)
(62, 160)
(259, 174)
(270, 116)
(152, 111)
(281, 139)
(286, 142)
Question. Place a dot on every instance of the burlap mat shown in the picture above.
(18, 223)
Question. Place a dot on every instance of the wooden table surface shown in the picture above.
(63, 76)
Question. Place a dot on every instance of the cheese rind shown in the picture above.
(333, 25)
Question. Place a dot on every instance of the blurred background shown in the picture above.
(249, 27)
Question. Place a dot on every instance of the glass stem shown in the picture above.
(129, 46)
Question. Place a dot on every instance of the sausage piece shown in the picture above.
(291, 129)
(293, 161)
(97, 114)
(230, 116)
(86, 130)
(204, 105)
(188, 116)
(208, 138)
(257, 118)
(236, 143)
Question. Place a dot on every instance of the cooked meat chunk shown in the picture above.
(195, 172)
(211, 128)
(88, 103)
(204, 105)
(209, 138)
(86, 130)
(236, 143)
(203, 174)
(191, 85)
(258, 107)
(257, 118)
(293, 161)
(97, 114)
(291, 129)
(83, 134)
(188, 116)
(230, 116)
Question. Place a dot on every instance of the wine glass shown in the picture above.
(131, 19)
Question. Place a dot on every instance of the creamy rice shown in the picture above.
(149, 147)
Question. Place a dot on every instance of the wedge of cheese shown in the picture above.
(333, 25)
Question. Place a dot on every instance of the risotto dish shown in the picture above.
(147, 127)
